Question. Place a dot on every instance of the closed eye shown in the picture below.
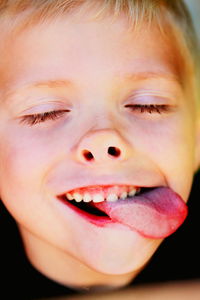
(150, 108)
(34, 119)
(42, 117)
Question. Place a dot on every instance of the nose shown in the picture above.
(102, 146)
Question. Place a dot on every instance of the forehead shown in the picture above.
(71, 47)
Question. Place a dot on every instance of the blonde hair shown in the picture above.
(171, 16)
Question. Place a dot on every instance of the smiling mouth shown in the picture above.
(89, 208)
(154, 212)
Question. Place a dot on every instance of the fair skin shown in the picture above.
(42, 161)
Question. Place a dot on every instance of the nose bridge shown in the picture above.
(102, 146)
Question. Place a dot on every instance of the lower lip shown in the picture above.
(99, 221)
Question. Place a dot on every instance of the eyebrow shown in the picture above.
(130, 76)
(154, 75)
(63, 83)
(51, 83)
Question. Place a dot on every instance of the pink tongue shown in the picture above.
(154, 214)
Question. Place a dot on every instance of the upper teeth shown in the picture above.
(101, 196)
(87, 197)
(112, 198)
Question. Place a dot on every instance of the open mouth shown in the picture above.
(88, 209)
(84, 209)
(154, 212)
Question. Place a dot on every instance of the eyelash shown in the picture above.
(54, 115)
(40, 118)
(151, 108)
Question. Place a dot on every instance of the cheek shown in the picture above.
(27, 150)
(171, 146)
(25, 164)
(29, 155)
(25, 161)
(19, 160)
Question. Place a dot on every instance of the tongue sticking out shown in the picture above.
(154, 214)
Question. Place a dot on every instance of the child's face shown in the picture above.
(93, 70)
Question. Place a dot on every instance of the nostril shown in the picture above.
(114, 151)
(88, 155)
